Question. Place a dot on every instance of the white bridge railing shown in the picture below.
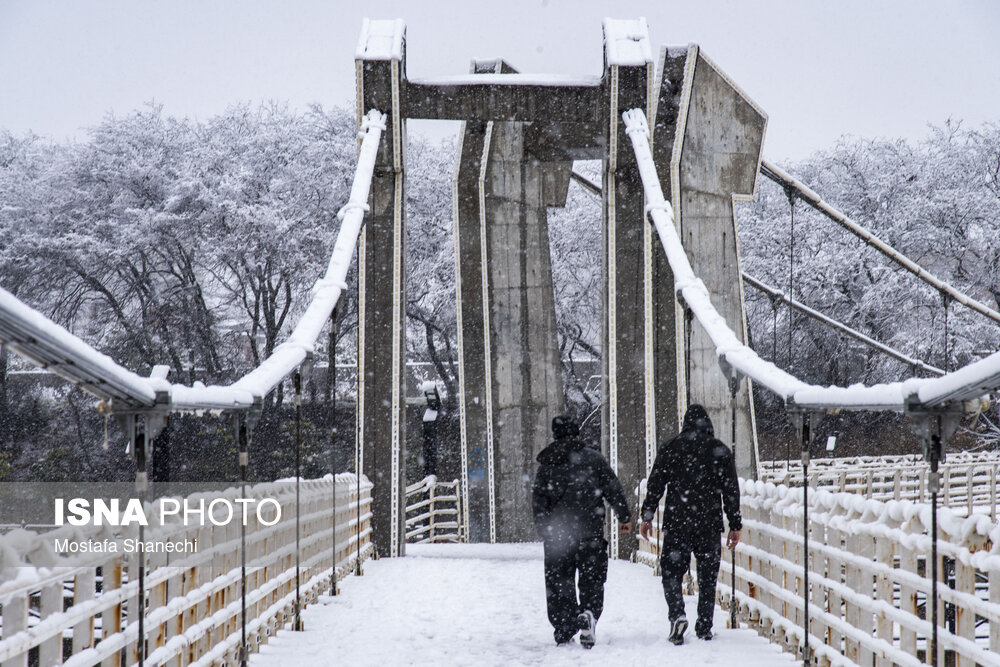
(434, 511)
(869, 583)
(869, 578)
(85, 615)
(968, 479)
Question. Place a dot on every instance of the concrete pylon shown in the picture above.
(707, 142)
(381, 72)
(527, 372)
(511, 371)
(628, 399)
(475, 363)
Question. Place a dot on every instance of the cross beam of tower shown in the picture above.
(520, 137)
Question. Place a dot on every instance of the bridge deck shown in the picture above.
(485, 605)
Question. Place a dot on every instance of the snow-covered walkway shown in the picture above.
(485, 605)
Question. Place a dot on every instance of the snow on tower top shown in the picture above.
(381, 39)
(626, 42)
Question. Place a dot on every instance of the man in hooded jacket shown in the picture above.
(697, 471)
(570, 489)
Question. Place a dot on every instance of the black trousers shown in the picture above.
(569, 566)
(674, 562)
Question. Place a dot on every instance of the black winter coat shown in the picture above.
(570, 489)
(697, 470)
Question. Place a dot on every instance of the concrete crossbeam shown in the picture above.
(504, 102)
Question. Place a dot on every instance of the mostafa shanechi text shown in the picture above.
(126, 546)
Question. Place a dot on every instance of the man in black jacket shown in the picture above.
(696, 470)
(571, 487)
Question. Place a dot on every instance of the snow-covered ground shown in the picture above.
(485, 605)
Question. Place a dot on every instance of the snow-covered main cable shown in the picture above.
(966, 383)
(44, 342)
(687, 285)
(40, 340)
(325, 294)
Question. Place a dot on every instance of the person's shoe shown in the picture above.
(706, 635)
(566, 642)
(677, 630)
(587, 624)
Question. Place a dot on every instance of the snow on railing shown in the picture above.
(877, 461)
(968, 480)
(868, 577)
(964, 384)
(434, 511)
(21, 326)
(194, 606)
(868, 582)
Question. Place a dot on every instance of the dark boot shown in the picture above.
(677, 630)
(588, 636)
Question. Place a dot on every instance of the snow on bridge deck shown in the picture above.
(460, 604)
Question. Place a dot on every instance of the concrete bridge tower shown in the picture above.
(520, 137)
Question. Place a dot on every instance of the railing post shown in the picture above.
(242, 438)
(51, 602)
(994, 595)
(15, 619)
(946, 501)
(459, 522)
(141, 485)
(806, 437)
(993, 492)
(297, 384)
(357, 527)
(734, 384)
(432, 509)
(934, 484)
(331, 380)
(970, 487)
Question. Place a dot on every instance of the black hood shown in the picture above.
(558, 452)
(696, 419)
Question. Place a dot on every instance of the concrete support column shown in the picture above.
(707, 143)
(381, 70)
(475, 367)
(511, 374)
(527, 372)
(628, 434)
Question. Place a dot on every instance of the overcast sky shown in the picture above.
(819, 69)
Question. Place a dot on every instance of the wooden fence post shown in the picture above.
(15, 619)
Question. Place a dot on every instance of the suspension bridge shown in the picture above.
(836, 568)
